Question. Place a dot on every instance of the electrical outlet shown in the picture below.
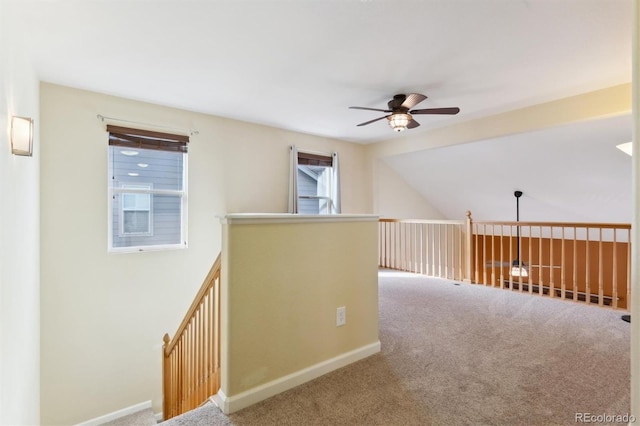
(341, 316)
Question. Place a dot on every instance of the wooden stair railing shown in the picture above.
(436, 248)
(191, 360)
(582, 262)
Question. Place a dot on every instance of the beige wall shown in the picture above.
(19, 235)
(635, 262)
(103, 315)
(283, 283)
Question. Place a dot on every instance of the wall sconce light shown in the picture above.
(626, 147)
(21, 136)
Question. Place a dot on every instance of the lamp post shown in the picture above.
(518, 268)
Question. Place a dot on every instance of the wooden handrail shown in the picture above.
(435, 221)
(556, 224)
(191, 360)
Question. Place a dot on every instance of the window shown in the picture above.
(315, 183)
(135, 217)
(147, 190)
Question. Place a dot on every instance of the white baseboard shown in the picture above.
(231, 404)
(159, 417)
(116, 414)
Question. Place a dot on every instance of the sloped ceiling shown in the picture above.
(569, 173)
(299, 65)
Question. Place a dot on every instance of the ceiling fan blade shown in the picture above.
(371, 109)
(372, 121)
(412, 100)
(412, 124)
(451, 111)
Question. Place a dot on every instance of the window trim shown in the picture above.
(174, 143)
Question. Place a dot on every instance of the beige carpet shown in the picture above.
(141, 418)
(463, 355)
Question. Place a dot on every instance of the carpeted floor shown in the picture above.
(457, 354)
(140, 418)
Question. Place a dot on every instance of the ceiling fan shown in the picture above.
(401, 112)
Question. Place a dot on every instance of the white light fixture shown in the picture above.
(519, 270)
(399, 121)
(627, 148)
(21, 136)
(129, 152)
(143, 165)
(133, 174)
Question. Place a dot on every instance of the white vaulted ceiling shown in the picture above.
(568, 173)
(299, 65)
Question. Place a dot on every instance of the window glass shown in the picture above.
(147, 198)
(314, 184)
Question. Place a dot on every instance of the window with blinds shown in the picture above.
(147, 190)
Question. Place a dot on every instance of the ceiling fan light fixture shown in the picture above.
(398, 122)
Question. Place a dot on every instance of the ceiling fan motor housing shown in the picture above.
(395, 104)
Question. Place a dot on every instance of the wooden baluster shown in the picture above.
(484, 254)
(502, 256)
(405, 255)
(218, 325)
(425, 248)
(476, 236)
(588, 272)
(462, 246)
(530, 260)
(385, 258)
(201, 356)
(510, 258)
(600, 271)
(446, 251)
(414, 248)
(433, 250)
(469, 247)
(381, 242)
(211, 342)
(193, 372)
(180, 377)
(540, 262)
(614, 278)
(391, 252)
(384, 247)
(189, 373)
(493, 257)
(439, 251)
(518, 228)
(552, 292)
(563, 286)
(629, 248)
(575, 264)
(396, 247)
(166, 372)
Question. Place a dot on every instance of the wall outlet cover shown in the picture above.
(341, 316)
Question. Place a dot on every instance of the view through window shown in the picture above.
(147, 190)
